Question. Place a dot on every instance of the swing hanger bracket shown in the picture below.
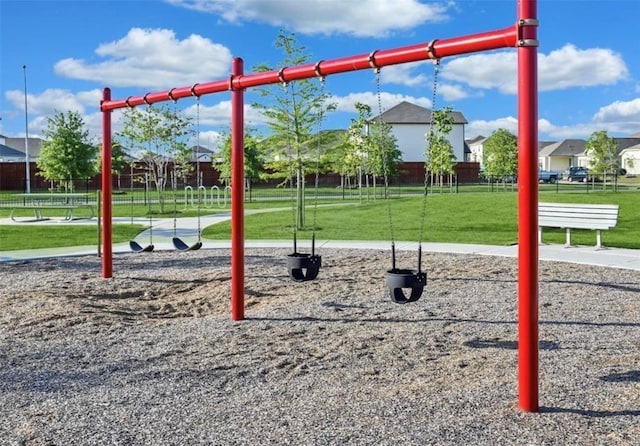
(372, 61)
(524, 39)
(170, 94)
(316, 69)
(281, 78)
(431, 51)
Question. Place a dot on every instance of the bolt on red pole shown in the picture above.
(527, 206)
(237, 193)
(107, 248)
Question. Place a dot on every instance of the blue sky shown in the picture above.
(589, 63)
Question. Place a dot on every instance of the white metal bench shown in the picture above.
(569, 216)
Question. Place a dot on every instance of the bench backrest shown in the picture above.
(579, 216)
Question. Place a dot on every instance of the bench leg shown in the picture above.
(598, 239)
(568, 241)
(539, 235)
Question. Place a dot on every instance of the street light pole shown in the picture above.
(26, 135)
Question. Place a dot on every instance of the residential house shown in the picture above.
(561, 155)
(630, 159)
(201, 154)
(10, 155)
(19, 145)
(476, 148)
(410, 123)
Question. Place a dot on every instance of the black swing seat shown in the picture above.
(303, 267)
(182, 246)
(136, 247)
(397, 279)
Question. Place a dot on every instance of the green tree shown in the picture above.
(440, 157)
(253, 163)
(603, 153)
(66, 153)
(350, 156)
(118, 159)
(156, 133)
(293, 112)
(500, 154)
(384, 155)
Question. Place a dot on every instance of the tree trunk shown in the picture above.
(300, 196)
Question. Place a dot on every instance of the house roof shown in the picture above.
(18, 144)
(8, 152)
(568, 147)
(624, 143)
(199, 153)
(407, 113)
(476, 139)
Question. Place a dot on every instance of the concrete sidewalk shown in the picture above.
(187, 230)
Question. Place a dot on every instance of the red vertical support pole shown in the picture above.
(527, 206)
(107, 247)
(237, 194)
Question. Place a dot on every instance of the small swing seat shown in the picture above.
(136, 247)
(303, 267)
(182, 246)
(397, 279)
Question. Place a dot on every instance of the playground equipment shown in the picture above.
(134, 245)
(178, 243)
(522, 35)
(306, 266)
(399, 279)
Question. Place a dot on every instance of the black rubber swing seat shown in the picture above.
(303, 267)
(182, 246)
(400, 279)
(137, 247)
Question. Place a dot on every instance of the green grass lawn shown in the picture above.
(454, 218)
(33, 236)
(470, 217)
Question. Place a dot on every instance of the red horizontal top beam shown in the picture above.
(503, 38)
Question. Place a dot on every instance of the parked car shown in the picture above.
(549, 176)
(579, 174)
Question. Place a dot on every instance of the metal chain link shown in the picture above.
(436, 71)
(384, 158)
(318, 154)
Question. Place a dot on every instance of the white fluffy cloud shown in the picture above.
(387, 100)
(151, 58)
(563, 68)
(370, 19)
(620, 111)
(55, 99)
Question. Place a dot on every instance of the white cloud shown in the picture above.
(486, 128)
(55, 99)
(220, 114)
(572, 67)
(387, 100)
(373, 18)
(409, 74)
(563, 68)
(151, 58)
(618, 119)
(620, 111)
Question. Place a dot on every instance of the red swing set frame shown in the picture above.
(522, 35)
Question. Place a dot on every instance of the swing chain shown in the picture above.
(436, 71)
(385, 168)
(318, 154)
(198, 181)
